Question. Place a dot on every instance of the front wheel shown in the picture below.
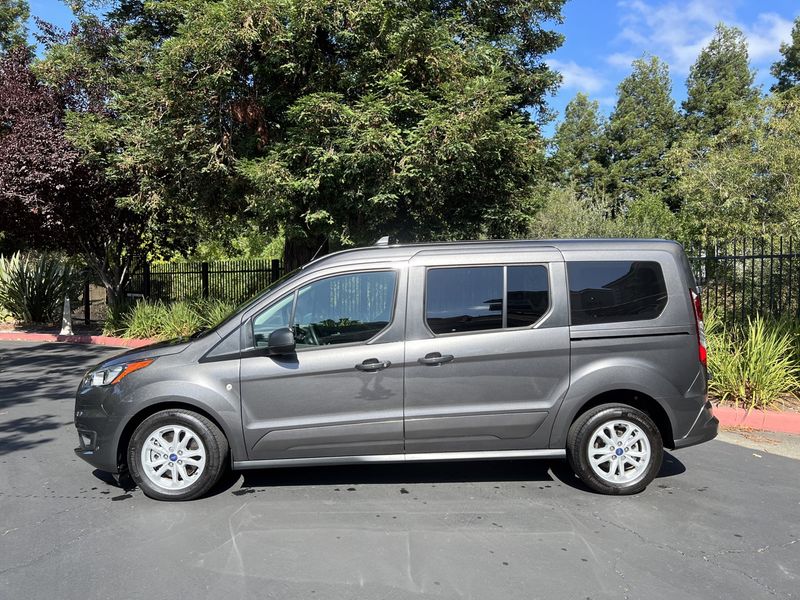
(615, 449)
(176, 454)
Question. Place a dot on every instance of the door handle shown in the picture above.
(373, 364)
(435, 358)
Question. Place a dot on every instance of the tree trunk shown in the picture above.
(299, 251)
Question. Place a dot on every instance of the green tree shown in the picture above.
(640, 132)
(720, 84)
(746, 180)
(787, 69)
(13, 28)
(332, 122)
(579, 148)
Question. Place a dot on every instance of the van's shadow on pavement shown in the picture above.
(412, 473)
(533, 471)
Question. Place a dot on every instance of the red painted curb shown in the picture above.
(766, 420)
(97, 340)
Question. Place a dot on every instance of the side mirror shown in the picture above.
(280, 341)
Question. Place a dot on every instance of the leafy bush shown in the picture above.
(116, 314)
(144, 320)
(148, 319)
(753, 365)
(32, 289)
(213, 312)
(179, 320)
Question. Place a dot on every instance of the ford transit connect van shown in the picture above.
(589, 350)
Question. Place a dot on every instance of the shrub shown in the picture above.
(144, 320)
(753, 365)
(180, 320)
(213, 312)
(32, 289)
(148, 319)
(115, 317)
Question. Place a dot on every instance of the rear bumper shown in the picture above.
(705, 429)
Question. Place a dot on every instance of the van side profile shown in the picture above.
(589, 350)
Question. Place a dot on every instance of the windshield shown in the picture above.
(246, 304)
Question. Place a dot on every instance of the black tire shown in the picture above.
(579, 439)
(214, 443)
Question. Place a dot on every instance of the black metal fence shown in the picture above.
(740, 278)
(230, 280)
(747, 277)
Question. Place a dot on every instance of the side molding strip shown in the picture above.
(398, 458)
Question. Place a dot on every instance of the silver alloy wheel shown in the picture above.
(173, 457)
(619, 451)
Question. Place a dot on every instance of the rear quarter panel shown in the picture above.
(657, 357)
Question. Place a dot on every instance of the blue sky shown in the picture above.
(604, 36)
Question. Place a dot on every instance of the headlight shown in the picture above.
(114, 374)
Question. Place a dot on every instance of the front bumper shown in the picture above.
(97, 429)
(705, 429)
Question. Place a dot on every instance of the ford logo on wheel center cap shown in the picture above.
(173, 457)
(618, 451)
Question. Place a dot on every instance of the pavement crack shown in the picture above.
(771, 591)
(643, 539)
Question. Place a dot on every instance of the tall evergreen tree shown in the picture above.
(332, 121)
(13, 28)
(787, 69)
(720, 83)
(578, 142)
(639, 134)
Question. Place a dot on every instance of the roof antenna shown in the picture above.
(319, 249)
(384, 241)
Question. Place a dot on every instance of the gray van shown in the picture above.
(589, 350)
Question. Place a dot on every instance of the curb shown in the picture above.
(95, 340)
(765, 420)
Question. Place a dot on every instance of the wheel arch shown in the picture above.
(157, 406)
(573, 408)
(639, 400)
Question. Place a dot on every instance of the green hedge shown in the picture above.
(160, 320)
(754, 365)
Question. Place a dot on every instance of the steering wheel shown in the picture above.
(313, 338)
(306, 335)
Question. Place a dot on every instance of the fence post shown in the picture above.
(204, 278)
(87, 304)
(275, 270)
(146, 279)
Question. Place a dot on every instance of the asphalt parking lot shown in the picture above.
(721, 521)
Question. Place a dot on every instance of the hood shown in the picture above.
(164, 348)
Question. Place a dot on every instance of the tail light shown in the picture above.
(701, 333)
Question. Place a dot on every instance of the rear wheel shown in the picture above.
(615, 449)
(176, 454)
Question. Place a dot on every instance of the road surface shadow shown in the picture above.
(434, 472)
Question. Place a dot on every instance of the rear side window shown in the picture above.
(527, 297)
(614, 291)
(463, 299)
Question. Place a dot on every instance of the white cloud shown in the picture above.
(582, 79)
(620, 60)
(677, 30)
(764, 37)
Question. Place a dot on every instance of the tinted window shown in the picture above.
(464, 299)
(611, 291)
(344, 309)
(527, 296)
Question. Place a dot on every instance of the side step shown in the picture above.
(398, 458)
